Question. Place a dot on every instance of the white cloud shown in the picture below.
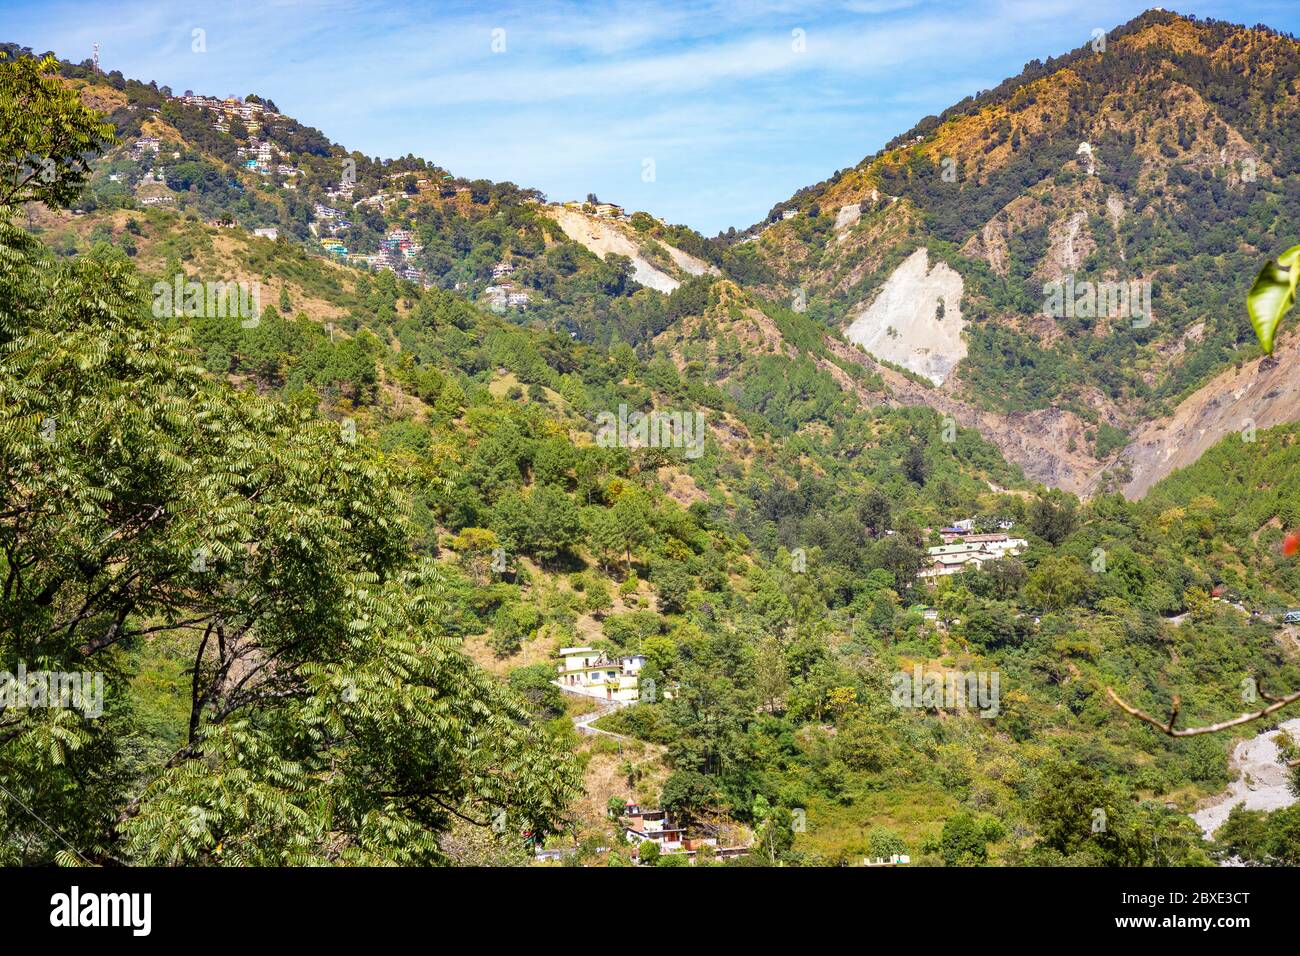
(735, 117)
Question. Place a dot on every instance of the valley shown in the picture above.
(372, 580)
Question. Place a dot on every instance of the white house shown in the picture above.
(653, 826)
(971, 550)
(585, 670)
(1002, 545)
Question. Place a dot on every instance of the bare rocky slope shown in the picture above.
(1047, 444)
(605, 236)
(1165, 163)
(915, 319)
(1259, 394)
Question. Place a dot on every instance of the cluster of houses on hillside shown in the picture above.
(396, 250)
(503, 293)
(258, 157)
(252, 114)
(328, 220)
(401, 243)
(642, 827)
(383, 198)
(145, 144)
(422, 183)
(379, 200)
(601, 210)
(501, 297)
(340, 192)
(152, 190)
(963, 548)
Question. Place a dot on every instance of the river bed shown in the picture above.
(1262, 783)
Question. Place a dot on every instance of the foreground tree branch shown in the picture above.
(1167, 726)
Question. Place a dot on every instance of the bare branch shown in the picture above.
(1167, 726)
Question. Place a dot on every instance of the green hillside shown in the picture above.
(1164, 155)
(325, 553)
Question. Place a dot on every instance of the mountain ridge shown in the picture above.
(1091, 167)
(1053, 392)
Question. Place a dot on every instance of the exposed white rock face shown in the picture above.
(1086, 158)
(848, 216)
(603, 236)
(902, 324)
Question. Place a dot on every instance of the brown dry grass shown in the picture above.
(605, 776)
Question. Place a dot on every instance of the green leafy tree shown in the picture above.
(47, 135)
(1082, 816)
(330, 717)
(648, 853)
(554, 525)
(686, 794)
(1273, 295)
(1053, 516)
(1057, 583)
(624, 528)
(672, 585)
(963, 842)
(774, 829)
(883, 843)
(596, 598)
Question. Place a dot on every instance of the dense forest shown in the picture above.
(324, 557)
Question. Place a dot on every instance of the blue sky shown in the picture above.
(736, 104)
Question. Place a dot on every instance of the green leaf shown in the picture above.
(1273, 295)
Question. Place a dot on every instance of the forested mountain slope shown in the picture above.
(289, 539)
(1157, 161)
(1164, 155)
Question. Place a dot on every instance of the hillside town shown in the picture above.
(254, 123)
